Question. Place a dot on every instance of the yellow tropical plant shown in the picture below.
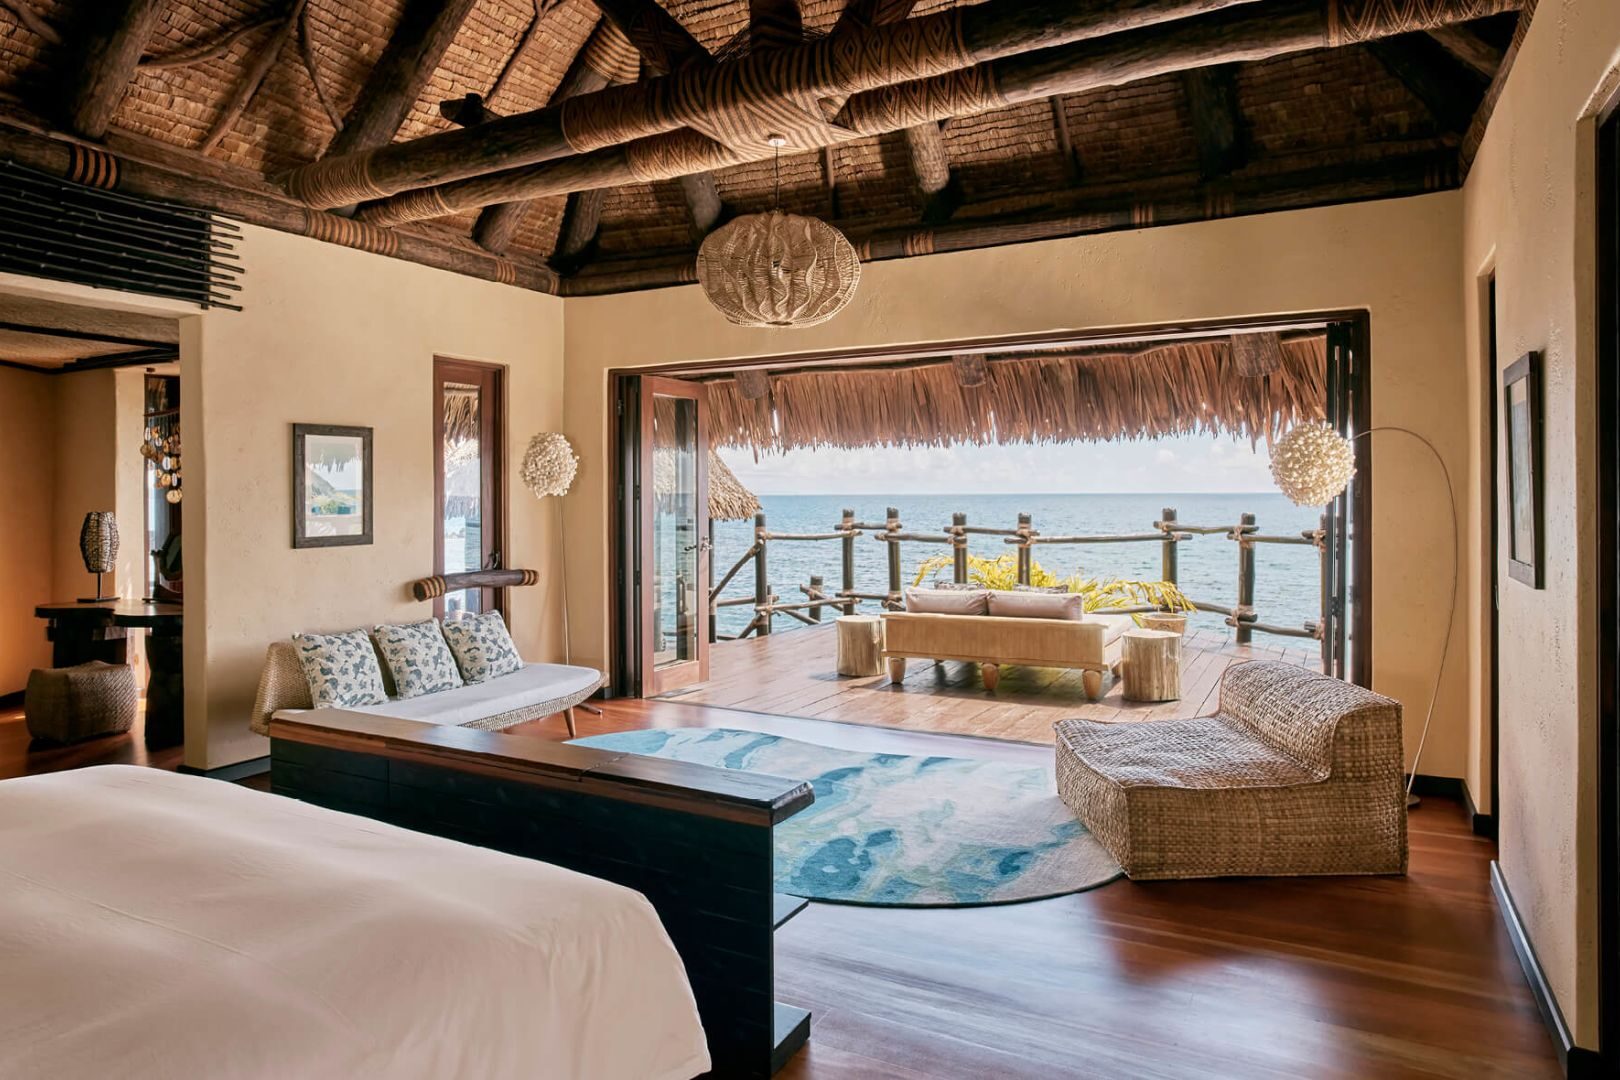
(1098, 594)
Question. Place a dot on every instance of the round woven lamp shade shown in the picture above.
(1312, 464)
(778, 269)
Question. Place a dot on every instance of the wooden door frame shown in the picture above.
(494, 492)
(1608, 591)
(622, 412)
(696, 671)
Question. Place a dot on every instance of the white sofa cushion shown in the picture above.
(1037, 605)
(948, 601)
(539, 689)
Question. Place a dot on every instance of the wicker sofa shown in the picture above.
(1297, 773)
(991, 641)
(533, 691)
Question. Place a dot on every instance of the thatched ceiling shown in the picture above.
(240, 92)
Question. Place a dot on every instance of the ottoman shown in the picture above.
(68, 704)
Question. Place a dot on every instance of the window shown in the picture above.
(469, 506)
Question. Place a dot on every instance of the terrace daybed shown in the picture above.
(962, 625)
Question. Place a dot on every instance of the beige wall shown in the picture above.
(1529, 214)
(1396, 259)
(331, 335)
(27, 548)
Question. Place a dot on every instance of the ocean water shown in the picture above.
(1287, 577)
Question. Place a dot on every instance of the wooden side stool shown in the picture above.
(67, 705)
(860, 645)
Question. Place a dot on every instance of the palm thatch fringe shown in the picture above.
(728, 499)
(1183, 388)
(461, 422)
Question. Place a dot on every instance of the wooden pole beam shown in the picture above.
(663, 43)
(606, 59)
(397, 79)
(111, 50)
(1235, 35)
(1317, 185)
(1482, 116)
(705, 96)
(259, 67)
(1467, 46)
(941, 193)
(703, 203)
(774, 24)
(1450, 90)
(1217, 119)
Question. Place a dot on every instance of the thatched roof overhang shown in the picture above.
(1117, 392)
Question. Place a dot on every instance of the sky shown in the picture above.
(1192, 464)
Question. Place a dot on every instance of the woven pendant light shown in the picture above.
(776, 268)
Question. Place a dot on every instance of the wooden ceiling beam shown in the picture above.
(1065, 138)
(414, 52)
(1467, 46)
(774, 24)
(1217, 119)
(864, 14)
(663, 43)
(259, 66)
(862, 59)
(1234, 35)
(109, 54)
(1449, 90)
(1482, 116)
(931, 166)
(703, 203)
(1082, 214)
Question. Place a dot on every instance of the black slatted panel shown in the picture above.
(55, 228)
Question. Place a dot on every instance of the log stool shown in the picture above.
(1165, 620)
(1150, 665)
(860, 645)
(68, 704)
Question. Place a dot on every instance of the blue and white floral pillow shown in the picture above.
(417, 658)
(341, 669)
(483, 648)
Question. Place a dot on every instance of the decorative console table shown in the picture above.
(82, 632)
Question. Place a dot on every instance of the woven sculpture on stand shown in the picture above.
(778, 269)
(98, 543)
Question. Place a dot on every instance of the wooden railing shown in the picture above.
(1169, 532)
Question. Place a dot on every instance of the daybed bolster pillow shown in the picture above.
(1037, 605)
(948, 601)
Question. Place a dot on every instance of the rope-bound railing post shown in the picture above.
(1243, 614)
(891, 527)
(1025, 531)
(959, 552)
(762, 577)
(1169, 568)
(846, 525)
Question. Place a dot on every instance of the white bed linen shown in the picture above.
(159, 925)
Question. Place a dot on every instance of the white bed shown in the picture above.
(160, 925)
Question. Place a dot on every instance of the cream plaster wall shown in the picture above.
(331, 335)
(1529, 212)
(27, 550)
(86, 406)
(1396, 258)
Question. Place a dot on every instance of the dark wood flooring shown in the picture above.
(1298, 978)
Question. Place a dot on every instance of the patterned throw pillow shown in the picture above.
(341, 669)
(483, 648)
(417, 658)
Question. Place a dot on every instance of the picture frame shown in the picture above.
(1521, 420)
(332, 492)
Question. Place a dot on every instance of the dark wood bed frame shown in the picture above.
(695, 840)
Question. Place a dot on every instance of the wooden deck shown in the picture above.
(794, 673)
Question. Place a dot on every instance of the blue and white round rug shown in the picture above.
(901, 830)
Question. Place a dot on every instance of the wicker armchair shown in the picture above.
(1297, 773)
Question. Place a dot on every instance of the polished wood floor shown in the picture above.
(1320, 978)
(794, 673)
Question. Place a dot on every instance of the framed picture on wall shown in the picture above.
(331, 485)
(1521, 413)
